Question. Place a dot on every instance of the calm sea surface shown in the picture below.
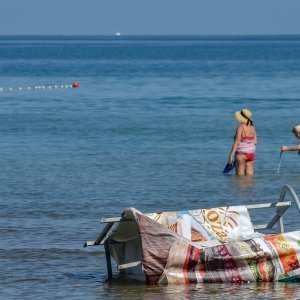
(150, 127)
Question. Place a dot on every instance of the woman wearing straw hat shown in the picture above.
(244, 144)
(296, 132)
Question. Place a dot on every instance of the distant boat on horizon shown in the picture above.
(118, 33)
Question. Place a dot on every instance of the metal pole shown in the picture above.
(108, 260)
(283, 191)
(286, 188)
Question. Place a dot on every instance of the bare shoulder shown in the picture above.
(240, 128)
(239, 132)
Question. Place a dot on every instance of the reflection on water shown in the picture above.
(244, 182)
(203, 291)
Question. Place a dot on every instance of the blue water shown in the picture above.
(150, 127)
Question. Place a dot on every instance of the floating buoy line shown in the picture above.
(40, 87)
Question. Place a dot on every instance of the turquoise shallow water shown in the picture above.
(150, 127)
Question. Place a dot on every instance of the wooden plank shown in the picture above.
(129, 265)
(89, 243)
(284, 203)
(111, 220)
(258, 227)
(269, 205)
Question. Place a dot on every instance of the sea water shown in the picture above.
(151, 126)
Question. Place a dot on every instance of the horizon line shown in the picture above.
(166, 34)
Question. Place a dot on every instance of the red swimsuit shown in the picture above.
(247, 147)
(250, 156)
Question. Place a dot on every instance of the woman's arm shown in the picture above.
(290, 148)
(237, 140)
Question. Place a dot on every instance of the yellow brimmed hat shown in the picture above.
(244, 116)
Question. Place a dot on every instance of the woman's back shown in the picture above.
(248, 131)
(248, 140)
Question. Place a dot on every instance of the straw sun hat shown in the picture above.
(244, 116)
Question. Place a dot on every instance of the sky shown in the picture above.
(149, 17)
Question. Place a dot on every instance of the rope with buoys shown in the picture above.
(41, 87)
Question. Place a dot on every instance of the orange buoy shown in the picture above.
(75, 84)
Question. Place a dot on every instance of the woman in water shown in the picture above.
(296, 132)
(244, 145)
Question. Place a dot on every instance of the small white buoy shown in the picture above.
(40, 87)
